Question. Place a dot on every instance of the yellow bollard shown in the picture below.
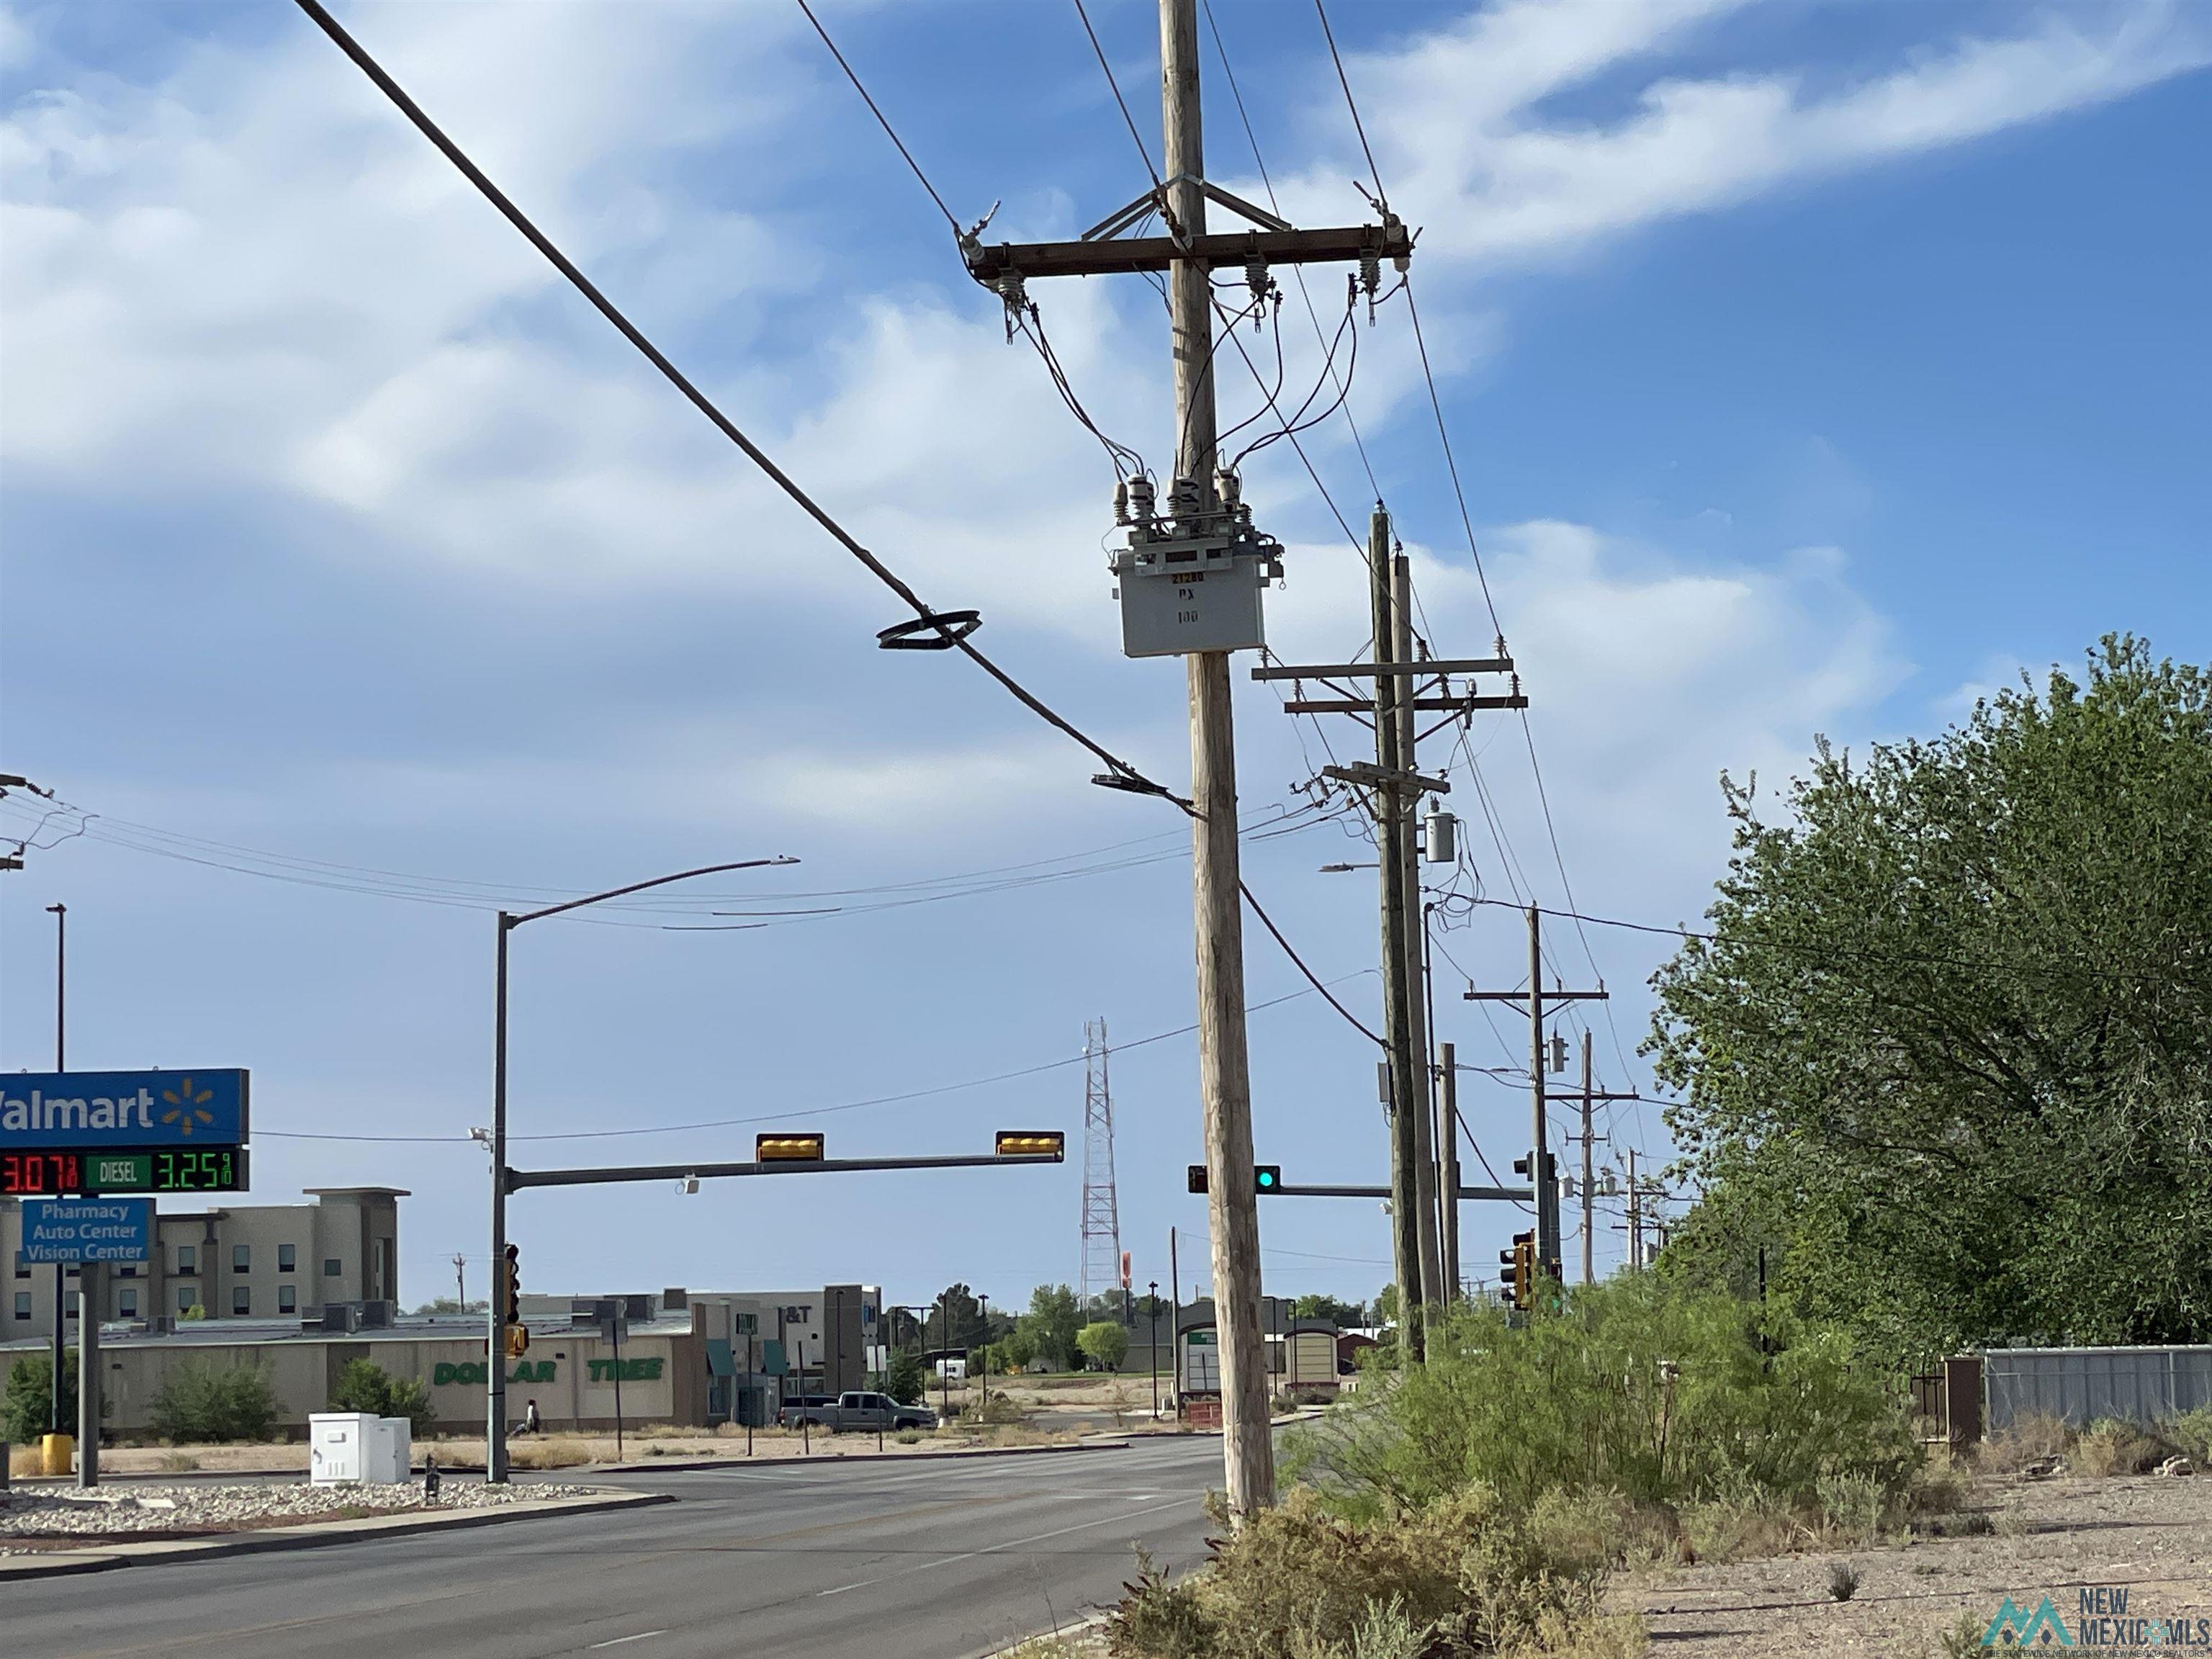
(60, 1453)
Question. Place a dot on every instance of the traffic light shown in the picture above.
(510, 1287)
(1266, 1178)
(1519, 1277)
(787, 1149)
(1032, 1143)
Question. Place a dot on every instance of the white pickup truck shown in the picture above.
(862, 1412)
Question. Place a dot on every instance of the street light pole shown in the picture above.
(495, 1469)
(60, 913)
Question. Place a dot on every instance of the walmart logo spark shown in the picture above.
(186, 1104)
(2012, 1627)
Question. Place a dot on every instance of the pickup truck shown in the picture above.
(858, 1411)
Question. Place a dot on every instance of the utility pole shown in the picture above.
(1541, 1168)
(1447, 1142)
(1635, 1215)
(1225, 1082)
(1590, 1204)
(1190, 587)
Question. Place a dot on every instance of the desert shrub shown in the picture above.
(2191, 1432)
(1663, 1393)
(1470, 1574)
(365, 1386)
(198, 1403)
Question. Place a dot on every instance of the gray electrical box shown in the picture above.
(1192, 582)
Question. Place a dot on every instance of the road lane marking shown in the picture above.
(619, 1640)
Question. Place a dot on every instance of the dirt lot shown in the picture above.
(2053, 1538)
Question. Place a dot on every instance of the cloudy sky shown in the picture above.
(1809, 369)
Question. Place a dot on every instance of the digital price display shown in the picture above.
(123, 1169)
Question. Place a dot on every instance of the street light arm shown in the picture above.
(510, 922)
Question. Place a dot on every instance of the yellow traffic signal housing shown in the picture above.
(787, 1149)
(1030, 1143)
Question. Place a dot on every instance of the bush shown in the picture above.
(365, 1386)
(1468, 1575)
(200, 1404)
(27, 1403)
(1663, 1394)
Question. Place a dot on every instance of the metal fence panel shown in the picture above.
(2084, 1384)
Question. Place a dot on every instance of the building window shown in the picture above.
(284, 1258)
(23, 1306)
(188, 1258)
(241, 1258)
(188, 1298)
(126, 1303)
(241, 1299)
(288, 1299)
(330, 1267)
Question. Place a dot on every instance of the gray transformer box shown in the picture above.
(1180, 596)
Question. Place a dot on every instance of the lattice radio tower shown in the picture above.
(1102, 1210)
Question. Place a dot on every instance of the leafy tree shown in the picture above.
(1328, 1307)
(365, 1386)
(25, 1407)
(906, 1381)
(1053, 1322)
(1103, 1343)
(1948, 1055)
(957, 1320)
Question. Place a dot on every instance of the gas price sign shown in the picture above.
(57, 1171)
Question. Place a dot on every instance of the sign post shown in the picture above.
(91, 1232)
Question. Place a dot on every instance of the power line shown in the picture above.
(800, 1115)
(1351, 103)
(392, 89)
(1116, 87)
(881, 120)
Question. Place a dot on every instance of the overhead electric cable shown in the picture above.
(561, 262)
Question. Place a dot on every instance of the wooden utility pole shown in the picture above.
(1590, 1204)
(1224, 1085)
(1448, 1165)
(1401, 991)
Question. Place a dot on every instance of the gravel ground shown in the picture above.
(40, 1520)
(2150, 1536)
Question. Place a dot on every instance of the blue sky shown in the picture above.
(1809, 367)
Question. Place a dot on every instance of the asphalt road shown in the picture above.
(920, 1558)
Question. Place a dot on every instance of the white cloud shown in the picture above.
(1471, 147)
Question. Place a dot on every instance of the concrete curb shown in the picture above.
(106, 1557)
(692, 1466)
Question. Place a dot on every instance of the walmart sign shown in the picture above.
(86, 1110)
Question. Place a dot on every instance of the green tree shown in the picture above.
(906, 1381)
(1053, 1321)
(1947, 1054)
(1103, 1343)
(1345, 1314)
(26, 1406)
(365, 1386)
